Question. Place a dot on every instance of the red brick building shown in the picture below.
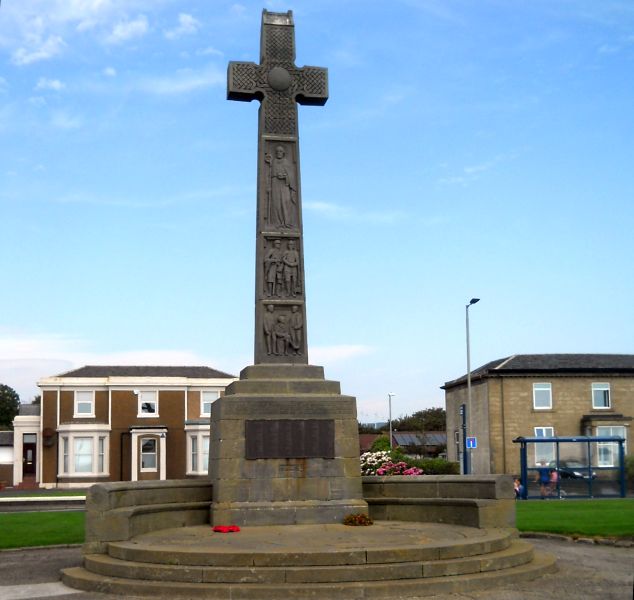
(118, 423)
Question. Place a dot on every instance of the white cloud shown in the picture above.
(110, 72)
(183, 82)
(332, 354)
(344, 213)
(187, 25)
(49, 84)
(328, 209)
(38, 49)
(238, 9)
(209, 51)
(608, 49)
(25, 359)
(62, 120)
(37, 101)
(471, 173)
(127, 30)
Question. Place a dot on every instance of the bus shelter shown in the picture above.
(572, 467)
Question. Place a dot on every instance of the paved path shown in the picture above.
(586, 571)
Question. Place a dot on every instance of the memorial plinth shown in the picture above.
(284, 449)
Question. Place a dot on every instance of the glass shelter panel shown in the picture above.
(577, 466)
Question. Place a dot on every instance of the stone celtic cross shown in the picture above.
(280, 298)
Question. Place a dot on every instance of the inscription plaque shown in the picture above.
(290, 438)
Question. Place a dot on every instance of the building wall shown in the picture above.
(117, 417)
(478, 425)
(6, 466)
(511, 414)
(48, 454)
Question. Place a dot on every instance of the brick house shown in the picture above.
(6, 459)
(121, 423)
(541, 395)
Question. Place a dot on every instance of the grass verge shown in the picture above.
(592, 518)
(23, 529)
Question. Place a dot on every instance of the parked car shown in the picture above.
(572, 469)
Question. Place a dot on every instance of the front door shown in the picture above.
(29, 445)
(149, 458)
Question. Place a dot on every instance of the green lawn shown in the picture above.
(602, 518)
(22, 529)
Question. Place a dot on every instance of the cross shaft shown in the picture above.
(279, 85)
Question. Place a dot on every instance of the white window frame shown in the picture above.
(196, 435)
(90, 454)
(66, 450)
(544, 452)
(205, 398)
(145, 396)
(611, 447)
(101, 453)
(543, 388)
(155, 468)
(78, 401)
(65, 454)
(601, 387)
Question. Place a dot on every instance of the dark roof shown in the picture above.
(147, 371)
(29, 410)
(522, 364)
(366, 440)
(419, 438)
(6, 438)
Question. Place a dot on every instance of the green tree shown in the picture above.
(368, 428)
(429, 419)
(380, 444)
(9, 406)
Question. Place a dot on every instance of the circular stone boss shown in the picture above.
(279, 78)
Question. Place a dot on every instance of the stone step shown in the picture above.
(282, 371)
(80, 578)
(518, 553)
(261, 387)
(154, 550)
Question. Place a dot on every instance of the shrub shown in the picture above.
(381, 444)
(399, 468)
(371, 461)
(438, 466)
(397, 463)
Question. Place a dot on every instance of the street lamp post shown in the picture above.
(389, 397)
(472, 301)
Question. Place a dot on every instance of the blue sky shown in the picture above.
(467, 149)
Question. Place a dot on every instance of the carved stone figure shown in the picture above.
(273, 269)
(269, 325)
(281, 336)
(282, 189)
(297, 326)
(290, 260)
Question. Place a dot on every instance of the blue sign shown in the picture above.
(472, 442)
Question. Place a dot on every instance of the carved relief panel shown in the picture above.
(281, 187)
(282, 268)
(283, 330)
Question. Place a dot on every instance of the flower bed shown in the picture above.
(381, 463)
